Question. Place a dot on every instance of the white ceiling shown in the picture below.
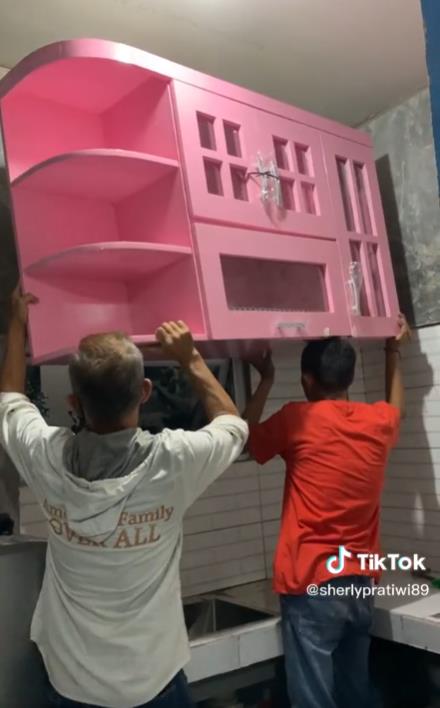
(346, 59)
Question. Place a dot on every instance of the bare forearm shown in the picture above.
(213, 396)
(394, 388)
(255, 407)
(13, 370)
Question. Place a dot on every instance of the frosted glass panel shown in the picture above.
(258, 284)
(360, 176)
(344, 182)
(376, 279)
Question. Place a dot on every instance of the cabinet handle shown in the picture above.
(270, 181)
(355, 286)
(291, 325)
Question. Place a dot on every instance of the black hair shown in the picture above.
(331, 362)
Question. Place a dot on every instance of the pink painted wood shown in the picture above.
(101, 174)
(265, 283)
(72, 307)
(87, 104)
(102, 261)
(360, 226)
(126, 58)
(221, 141)
(98, 196)
(117, 157)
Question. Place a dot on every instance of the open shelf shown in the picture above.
(109, 260)
(86, 103)
(96, 197)
(100, 174)
(75, 304)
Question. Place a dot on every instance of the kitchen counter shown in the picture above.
(413, 621)
(22, 679)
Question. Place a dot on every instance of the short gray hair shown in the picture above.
(107, 373)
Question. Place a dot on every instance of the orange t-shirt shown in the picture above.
(335, 453)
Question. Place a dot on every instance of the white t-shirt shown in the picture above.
(109, 621)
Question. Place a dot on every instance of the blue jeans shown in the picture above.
(326, 646)
(175, 695)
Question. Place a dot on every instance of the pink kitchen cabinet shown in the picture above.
(362, 236)
(137, 195)
(221, 142)
(271, 284)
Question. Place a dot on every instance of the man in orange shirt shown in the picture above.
(336, 453)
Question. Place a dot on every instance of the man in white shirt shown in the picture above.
(109, 621)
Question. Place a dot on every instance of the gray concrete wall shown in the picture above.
(405, 155)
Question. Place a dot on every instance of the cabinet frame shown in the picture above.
(224, 323)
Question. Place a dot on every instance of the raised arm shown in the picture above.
(255, 406)
(13, 369)
(177, 343)
(394, 388)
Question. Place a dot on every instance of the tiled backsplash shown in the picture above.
(411, 499)
(230, 533)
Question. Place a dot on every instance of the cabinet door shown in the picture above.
(223, 143)
(296, 151)
(360, 225)
(263, 286)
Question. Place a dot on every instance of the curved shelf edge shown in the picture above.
(87, 48)
(93, 48)
(105, 257)
(140, 157)
(147, 342)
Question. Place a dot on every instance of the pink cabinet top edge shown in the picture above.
(107, 49)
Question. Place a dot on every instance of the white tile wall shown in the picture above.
(231, 532)
(411, 500)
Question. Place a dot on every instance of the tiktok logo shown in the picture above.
(335, 564)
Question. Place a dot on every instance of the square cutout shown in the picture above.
(239, 183)
(309, 196)
(206, 131)
(288, 194)
(232, 138)
(213, 174)
(281, 153)
(303, 160)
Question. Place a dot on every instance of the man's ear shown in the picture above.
(74, 404)
(147, 388)
(307, 380)
(308, 384)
